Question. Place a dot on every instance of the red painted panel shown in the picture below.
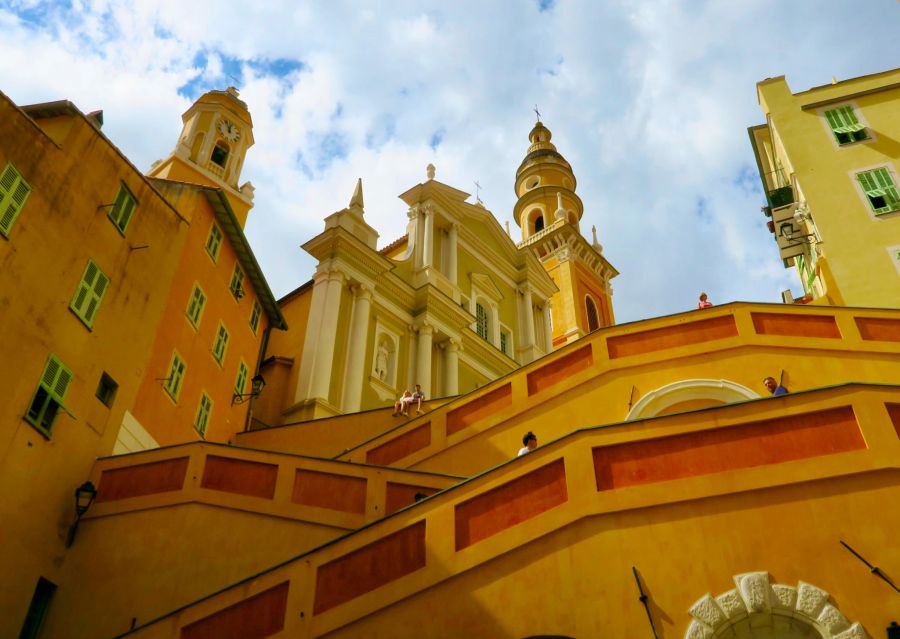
(796, 325)
(143, 479)
(370, 567)
(401, 446)
(659, 339)
(256, 617)
(559, 369)
(713, 451)
(401, 495)
(894, 412)
(510, 504)
(328, 490)
(877, 328)
(239, 476)
(479, 408)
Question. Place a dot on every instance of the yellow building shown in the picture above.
(828, 159)
(669, 496)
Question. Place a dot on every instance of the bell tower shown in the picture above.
(549, 212)
(216, 133)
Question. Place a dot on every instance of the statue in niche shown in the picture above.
(381, 360)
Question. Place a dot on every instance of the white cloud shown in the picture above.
(648, 100)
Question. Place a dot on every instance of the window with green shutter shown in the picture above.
(13, 193)
(221, 343)
(122, 209)
(504, 342)
(204, 410)
(89, 294)
(49, 396)
(214, 242)
(845, 126)
(880, 188)
(481, 322)
(237, 282)
(254, 316)
(195, 305)
(241, 380)
(172, 383)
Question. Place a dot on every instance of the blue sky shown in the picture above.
(648, 100)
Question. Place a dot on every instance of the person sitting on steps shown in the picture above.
(418, 397)
(402, 404)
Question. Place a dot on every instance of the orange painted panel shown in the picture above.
(894, 412)
(254, 479)
(479, 408)
(714, 451)
(327, 490)
(401, 495)
(795, 325)
(143, 479)
(510, 504)
(370, 567)
(878, 328)
(659, 339)
(401, 446)
(559, 369)
(256, 617)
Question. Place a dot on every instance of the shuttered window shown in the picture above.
(214, 242)
(481, 322)
(195, 305)
(845, 126)
(89, 294)
(176, 375)
(221, 343)
(13, 193)
(122, 209)
(237, 282)
(590, 310)
(880, 188)
(254, 316)
(49, 396)
(204, 410)
(241, 380)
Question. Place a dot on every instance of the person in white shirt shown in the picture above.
(530, 441)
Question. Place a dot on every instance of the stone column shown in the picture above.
(548, 328)
(321, 335)
(451, 367)
(529, 317)
(357, 341)
(428, 240)
(452, 241)
(423, 358)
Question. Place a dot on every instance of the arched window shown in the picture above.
(539, 223)
(590, 309)
(481, 322)
(220, 154)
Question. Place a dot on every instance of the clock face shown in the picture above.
(229, 130)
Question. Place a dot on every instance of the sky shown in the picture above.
(649, 100)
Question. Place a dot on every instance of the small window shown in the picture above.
(532, 182)
(89, 294)
(539, 223)
(13, 193)
(49, 396)
(504, 342)
(220, 154)
(481, 322)
(195, 306)
(122, 209)
(176, 375)
(879, 187)
(214, 242)
(203, 412)
(590, 310)
(221, 343)
(237, 282)
(106, 389)
(845, 126)
(241, 380)
(37, 610)
(254, 316)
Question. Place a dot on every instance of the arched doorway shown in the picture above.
(689, 394)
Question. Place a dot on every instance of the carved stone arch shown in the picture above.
(785, 611)
(715, 391)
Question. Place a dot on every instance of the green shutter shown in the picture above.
(13, 193)
(221, 343)
(845, 125)
(214, 242)
(195, 306)
(254, 316)
(176, 374)
(237, 282)
(203, 412)
(481, 321)
(879, 183)
(89, 293)
(122, 209)
(241, 380)
(49, 396)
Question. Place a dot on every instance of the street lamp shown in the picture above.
(84, 497)
(256, 385)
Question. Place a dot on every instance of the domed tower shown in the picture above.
(215, 135)
(549, 213)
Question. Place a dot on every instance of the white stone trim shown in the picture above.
(756, 595)
(658, 400)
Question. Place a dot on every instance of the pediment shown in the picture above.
(486, 285)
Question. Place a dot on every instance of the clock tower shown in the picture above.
(215, 135)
